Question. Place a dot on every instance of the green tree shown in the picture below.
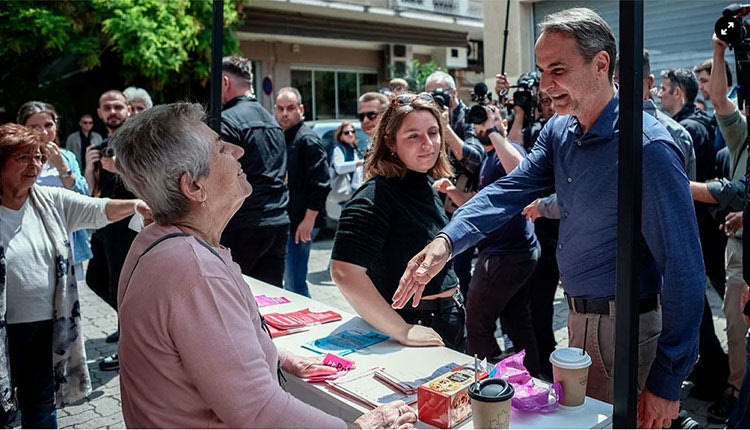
(417, 73)
(50, 48)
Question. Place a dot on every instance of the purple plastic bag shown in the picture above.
(528, 395)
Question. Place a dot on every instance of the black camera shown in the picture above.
(105, 150)
(442, 98)
(481, 96)
(734, 29)
(525, 96)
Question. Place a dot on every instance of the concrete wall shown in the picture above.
(277, 58)
(519, 39)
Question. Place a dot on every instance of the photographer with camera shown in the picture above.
(109, 244)
(531, 108)
(466, 155)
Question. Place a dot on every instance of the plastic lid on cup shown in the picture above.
(491, 390)
(570, 358)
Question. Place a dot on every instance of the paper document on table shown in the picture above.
(368, 390)
(303, 318)
(264, 300)
(408, 380)
(345, 342)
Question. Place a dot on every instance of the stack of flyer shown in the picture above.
(293, 322)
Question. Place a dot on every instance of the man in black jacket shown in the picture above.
(679, 88)
(309, 183)
(258, 232)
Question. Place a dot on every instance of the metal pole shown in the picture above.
(505, 36)
(217, 42)
(628, 213)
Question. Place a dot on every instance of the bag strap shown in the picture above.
(263, 324)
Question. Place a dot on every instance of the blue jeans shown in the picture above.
(31, 372)
(740, 417)
(295, 268)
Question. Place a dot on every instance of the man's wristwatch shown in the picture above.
(491, 130)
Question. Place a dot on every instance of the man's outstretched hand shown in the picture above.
(420, 270)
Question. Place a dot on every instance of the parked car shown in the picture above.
(326, 130)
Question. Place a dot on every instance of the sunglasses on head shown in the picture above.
(370, 115)
(348, 132)
(405, 99)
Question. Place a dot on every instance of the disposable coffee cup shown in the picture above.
(490, 403)
(570, 367)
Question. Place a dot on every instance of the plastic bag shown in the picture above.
(529, 396)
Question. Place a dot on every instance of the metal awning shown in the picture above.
(306, 25)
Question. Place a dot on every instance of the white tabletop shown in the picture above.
(593, 414)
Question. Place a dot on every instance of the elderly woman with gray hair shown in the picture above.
(42, 352)
(194, 350)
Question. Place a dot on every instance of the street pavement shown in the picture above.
(102, 409)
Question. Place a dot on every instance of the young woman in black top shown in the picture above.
(389, 219)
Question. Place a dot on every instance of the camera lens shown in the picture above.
(108, 152)
(477, 114)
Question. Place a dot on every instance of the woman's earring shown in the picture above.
(203, 204)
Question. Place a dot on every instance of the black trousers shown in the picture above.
(499, 289)
(260, 251)
(448, 320)
(462, 268)
(31, 372)
(542, 287)
(110, 246)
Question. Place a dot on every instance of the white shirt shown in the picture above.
(29, 252)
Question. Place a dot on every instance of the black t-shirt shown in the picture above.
(386, 223)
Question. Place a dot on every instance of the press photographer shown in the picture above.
(530, 106)
(466, 154)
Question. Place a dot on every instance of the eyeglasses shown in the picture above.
(348, 132)
(87, 122)
(405, 99)
(29, 158)
(370, 115)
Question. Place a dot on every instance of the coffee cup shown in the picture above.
(570, 367)
(490, 403)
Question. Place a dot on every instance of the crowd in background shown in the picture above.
(455, 220)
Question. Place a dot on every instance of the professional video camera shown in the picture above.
(525, 96)
(481, 96)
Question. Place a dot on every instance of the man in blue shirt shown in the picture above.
(577, 155)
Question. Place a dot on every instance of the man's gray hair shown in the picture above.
(441, 76)
(135, 93)
(155, 148)
(291, 90)
(591, 33)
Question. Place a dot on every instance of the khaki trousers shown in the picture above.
(736, 327)
(600, 345)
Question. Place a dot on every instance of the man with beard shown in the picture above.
(109, 244)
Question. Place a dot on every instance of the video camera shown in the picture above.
(482, 97)
(734, 29)
(525, 96)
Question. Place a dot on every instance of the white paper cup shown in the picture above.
(490, 403)
(570, 367)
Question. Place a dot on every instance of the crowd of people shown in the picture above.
(448, 225)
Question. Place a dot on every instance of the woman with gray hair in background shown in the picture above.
(194, 349)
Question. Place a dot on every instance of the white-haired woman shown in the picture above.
(194, 351)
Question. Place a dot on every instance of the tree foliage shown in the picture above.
(417, 73)
(156, 43)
